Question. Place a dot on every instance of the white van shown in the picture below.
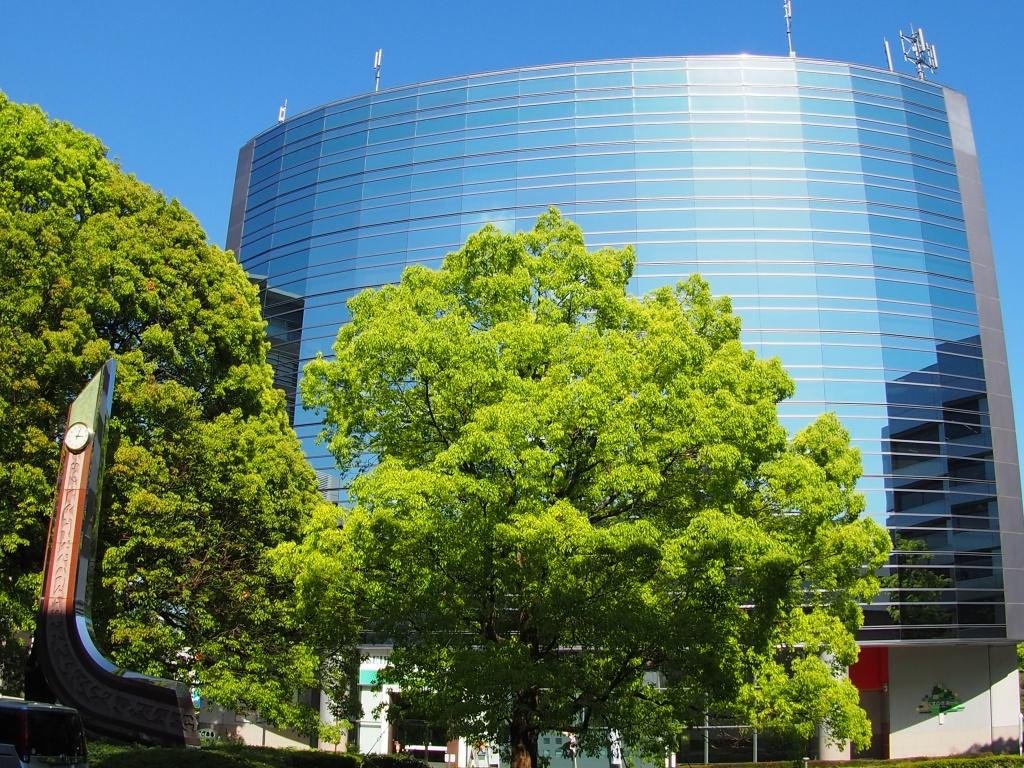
(35, 734)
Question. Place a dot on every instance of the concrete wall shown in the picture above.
(985, 680)
(247, 728)
(372, 729)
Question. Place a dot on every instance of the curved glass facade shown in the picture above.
(827, 199)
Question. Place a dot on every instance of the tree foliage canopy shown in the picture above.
(204, 473)
(575, 493)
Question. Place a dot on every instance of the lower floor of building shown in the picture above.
(922, 700)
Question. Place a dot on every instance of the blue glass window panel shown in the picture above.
(774, 104)
(261, 195)
(681, 158)
(831, 107)
(859, 356)
(492, 117)
(391, 133)
(251, 248)
(344, 142)
(962, 300)
(931, 149)
(564, 137)
(339, 170)
(256, 223)
(607, 133)
(776, 159)
(649, 131)
(298, 181)
(824, 79)
(389, 185)
(734, 285)
(664, 104)
(446, 95)
(436, 207)
(591, 107)
(490, 144)
(385, 106)
(384, 246)
(427, 236)
(384, 213)
(714, 76)
(716, 103)
(786, 285)
(549, 166)
(297, 131)
(658, 77)
(607, 161)
(436, 125)
(339, 195)
(264, 172)
(830, 134)
(924, 97)
(607, 221)
(834, 161)
(392, 159)
(546, 195)
(536, 85)
(478, 170)
(551, 111)
(940, 179)
(947, 235)
(337, 223)
(665, 220)
(436, 179)
(782, 219)
(346, 114)
(489, 200)
(295, 208)
(849, 321)
(486, 91)
(445, 150)
(291, 234)
(927, 123)
(267, 144)
(710, 219)
(604, 80)
(809, 391)
(891, 225)
(881, 87)
(886, 115)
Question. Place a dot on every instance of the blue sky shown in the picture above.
(174, 89)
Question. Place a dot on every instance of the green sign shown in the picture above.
(940, 701)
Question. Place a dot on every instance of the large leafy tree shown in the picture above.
(582, 512)
(204, 472)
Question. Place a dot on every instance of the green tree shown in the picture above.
(576, 494)
(204, 473)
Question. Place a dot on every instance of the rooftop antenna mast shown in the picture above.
(378, 58)
(282, 111)
(787, 8)
(918, 52)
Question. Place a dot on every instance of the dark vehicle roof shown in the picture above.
(33, 706)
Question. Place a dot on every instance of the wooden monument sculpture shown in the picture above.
(66, 665)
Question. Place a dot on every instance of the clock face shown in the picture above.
(77, 437)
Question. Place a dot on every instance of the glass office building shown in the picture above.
(839, 205)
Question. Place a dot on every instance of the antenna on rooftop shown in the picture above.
(918, 52)
(282, 111)
(888, 54)
(378, 59)
(787, 8)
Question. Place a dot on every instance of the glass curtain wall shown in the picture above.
(822, 197)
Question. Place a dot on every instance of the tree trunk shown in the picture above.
(523, 739)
